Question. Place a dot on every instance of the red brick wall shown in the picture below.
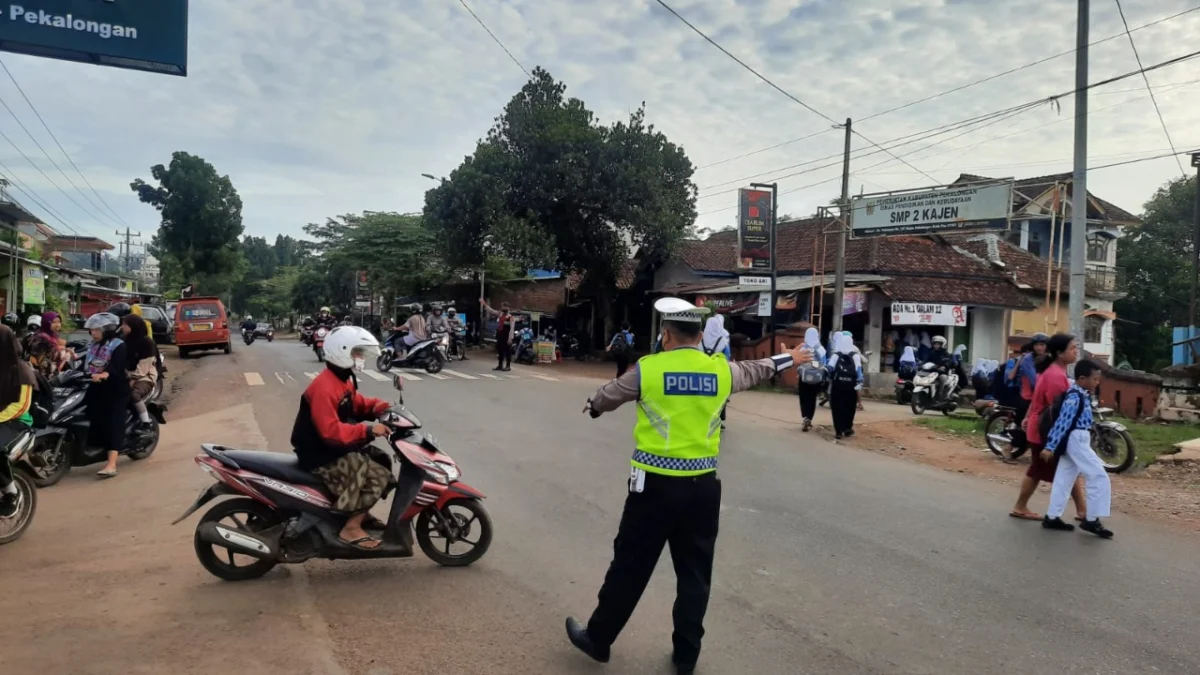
(535, 296)
(1122, 393)
(762, 348)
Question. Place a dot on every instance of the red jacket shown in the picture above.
(328, 424)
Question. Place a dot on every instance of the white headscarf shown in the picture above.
(909, 356)
(925, 340)
(715, 336)
(842, 344)
(910, 337)
(812, 338)
(958, 351)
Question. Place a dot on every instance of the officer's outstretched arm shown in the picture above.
(615, 393)
(746, 374)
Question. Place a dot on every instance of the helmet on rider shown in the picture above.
(33, 321)
(324, 312)
(105, 322)
(437, 310)
(1038, 337)
(938, 340)
(249, 318)
(119, 309)
(451, 313)
(350, 347)
(11, 320)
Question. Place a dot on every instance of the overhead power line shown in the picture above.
(1011, 111)
(44, 174)
(962, 87)
(1150, 89)
(494, 38)
(776, 87)
(60, 146)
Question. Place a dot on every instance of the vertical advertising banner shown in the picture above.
(754, 230)
(33, 286)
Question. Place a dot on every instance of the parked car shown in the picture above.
(161, 323)
(201, 323)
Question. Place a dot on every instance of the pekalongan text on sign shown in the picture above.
(928, 314)
(148, 35)
(949, 209)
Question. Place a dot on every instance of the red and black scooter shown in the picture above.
(283, 514)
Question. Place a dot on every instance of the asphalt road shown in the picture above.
(830, 560)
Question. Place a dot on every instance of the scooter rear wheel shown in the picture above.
(13, 527)
(384, 363)
(243, 514)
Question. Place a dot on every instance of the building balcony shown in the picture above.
(1106, 282)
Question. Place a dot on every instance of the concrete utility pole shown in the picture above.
(1079, 199)
(1195, 249)
(128, 251)
(839, 264)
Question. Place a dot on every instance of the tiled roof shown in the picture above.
(1026, 190)
(626, 276)
(1023, 267)
(997, 293)
(715, 254)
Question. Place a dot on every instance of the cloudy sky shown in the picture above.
(320, 107)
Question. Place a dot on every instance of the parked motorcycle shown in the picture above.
(570, 346)
(1110, 440)
(927, 394)
(524, 351)
(318, 342)
(12, 527)
(283, 514)
(904, 387)
(1000, 428)
(429, 354)
(63, 444)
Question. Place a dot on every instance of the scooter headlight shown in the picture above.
(451, 471)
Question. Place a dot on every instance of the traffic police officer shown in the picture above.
(674, 493)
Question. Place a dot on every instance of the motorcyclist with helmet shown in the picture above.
(417, 327)
(326, 319)
(249, 325)
(331, 441)
(437, 322)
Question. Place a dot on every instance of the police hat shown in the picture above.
(677, 309)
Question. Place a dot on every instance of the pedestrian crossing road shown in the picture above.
(256, 379)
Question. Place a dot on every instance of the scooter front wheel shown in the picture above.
(920, 400)
(384, 363)
(461, 522)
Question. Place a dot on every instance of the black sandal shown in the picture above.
(358, 543)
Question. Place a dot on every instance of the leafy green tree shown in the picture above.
(310, 291)
(551, 187)
(1157, 260)
(201, 222)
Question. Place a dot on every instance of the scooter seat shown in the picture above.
(284, 466)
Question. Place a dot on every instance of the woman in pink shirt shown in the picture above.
(1061, 351)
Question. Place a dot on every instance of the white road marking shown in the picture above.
(312, 376)
(374, 375)
(545, 377)
(408, 376)
(458, 374)
(254, 379)
(279, 376)
(289, 376)
(490, 377)
(438, 376)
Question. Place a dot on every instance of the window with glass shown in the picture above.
(1093, 329)
(1097, 248)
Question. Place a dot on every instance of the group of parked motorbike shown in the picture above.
(43, 454)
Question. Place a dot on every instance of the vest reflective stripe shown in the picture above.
(678, 431)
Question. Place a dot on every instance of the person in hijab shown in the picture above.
(854, 347)
(846, 379)
(17, 384)
(810, 390)
(908, 363)
(716, 337)
(108, 396)
(141, 364)
(924, 347)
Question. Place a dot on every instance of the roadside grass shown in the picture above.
(1151, 438)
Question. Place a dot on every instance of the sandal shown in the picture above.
(1028, 515)
(106, 474)
(358, 543)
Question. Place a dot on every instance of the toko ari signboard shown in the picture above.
(925, 314)
(148, 35)
(954, 208)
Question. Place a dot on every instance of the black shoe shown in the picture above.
(1096, 528)
(683, 668)
(807, 425)
(837, 436)
(849, 433)
(1049, 523)
(9, 503)
(498, 368)
(156, 411)
(579, 637)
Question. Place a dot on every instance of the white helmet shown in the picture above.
(249, 318)
(939, 340)
(34, 321)
(346, 343)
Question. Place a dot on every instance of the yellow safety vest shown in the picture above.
(678, 430)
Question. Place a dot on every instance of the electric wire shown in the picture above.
(44, 174)
(494, 38)
(1146, 78)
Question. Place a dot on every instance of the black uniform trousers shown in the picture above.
(682, 513)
